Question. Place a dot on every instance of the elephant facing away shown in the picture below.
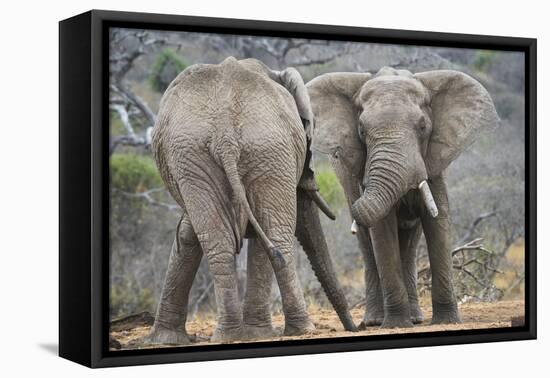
(232, 146)
(390, 137)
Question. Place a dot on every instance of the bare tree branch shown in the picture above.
(147, 196)
(130, 139)
(471, 230)
(125, 119)
(136, 101)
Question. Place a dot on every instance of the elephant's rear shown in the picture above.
(211, 111)
(216, 124)
(184, 127)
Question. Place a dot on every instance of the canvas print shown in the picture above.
(268, 189)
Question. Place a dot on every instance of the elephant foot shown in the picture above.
(371, 320)
(227, 335)
(445, 314)
(374, 312)
(416, 313)
(163, 335)
(397, 316)
(252, 332)
(299, 328)
(397, 321)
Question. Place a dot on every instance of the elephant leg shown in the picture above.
(169, 326)
(437, 232)
(374, 303)
(297, 321)
(220, 249)
(408, 242)
(257, 300)
(275, 210)
(208, 202)
(385, 241)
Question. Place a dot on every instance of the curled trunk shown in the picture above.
(387, 181)
(311, 237)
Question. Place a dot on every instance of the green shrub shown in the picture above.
(484, 59)
(134, 173)
(165, 69)
(330, 188)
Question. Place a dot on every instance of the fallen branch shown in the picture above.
(474, 245)
(132, 321)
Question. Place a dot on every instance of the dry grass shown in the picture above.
(513, 267)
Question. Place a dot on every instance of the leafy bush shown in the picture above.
(134, 173)
(484, 59)
(165, 69)
(330, 188)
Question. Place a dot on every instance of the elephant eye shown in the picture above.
(422, 124)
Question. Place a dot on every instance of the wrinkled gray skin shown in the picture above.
(232, 146)
(385, 134)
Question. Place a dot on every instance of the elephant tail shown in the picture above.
(229, 164)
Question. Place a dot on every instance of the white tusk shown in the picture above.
(354, 228)
(428, 198)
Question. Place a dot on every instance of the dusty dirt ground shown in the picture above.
(474, 316)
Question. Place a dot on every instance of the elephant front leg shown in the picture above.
(408, 242)
(437, 231)
(169, 326)
(374, 302)
(257, 300)
(397, 313)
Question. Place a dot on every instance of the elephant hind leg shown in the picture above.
(169, 326)
(275, 208)
(257, 300)
(206, 195)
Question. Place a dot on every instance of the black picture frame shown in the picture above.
(84, 196)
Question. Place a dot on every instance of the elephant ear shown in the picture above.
(332, 98)
(461, 109)
(291, 79)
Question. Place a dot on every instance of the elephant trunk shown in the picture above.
(387, 180)
(310, 235)
(389, 174)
